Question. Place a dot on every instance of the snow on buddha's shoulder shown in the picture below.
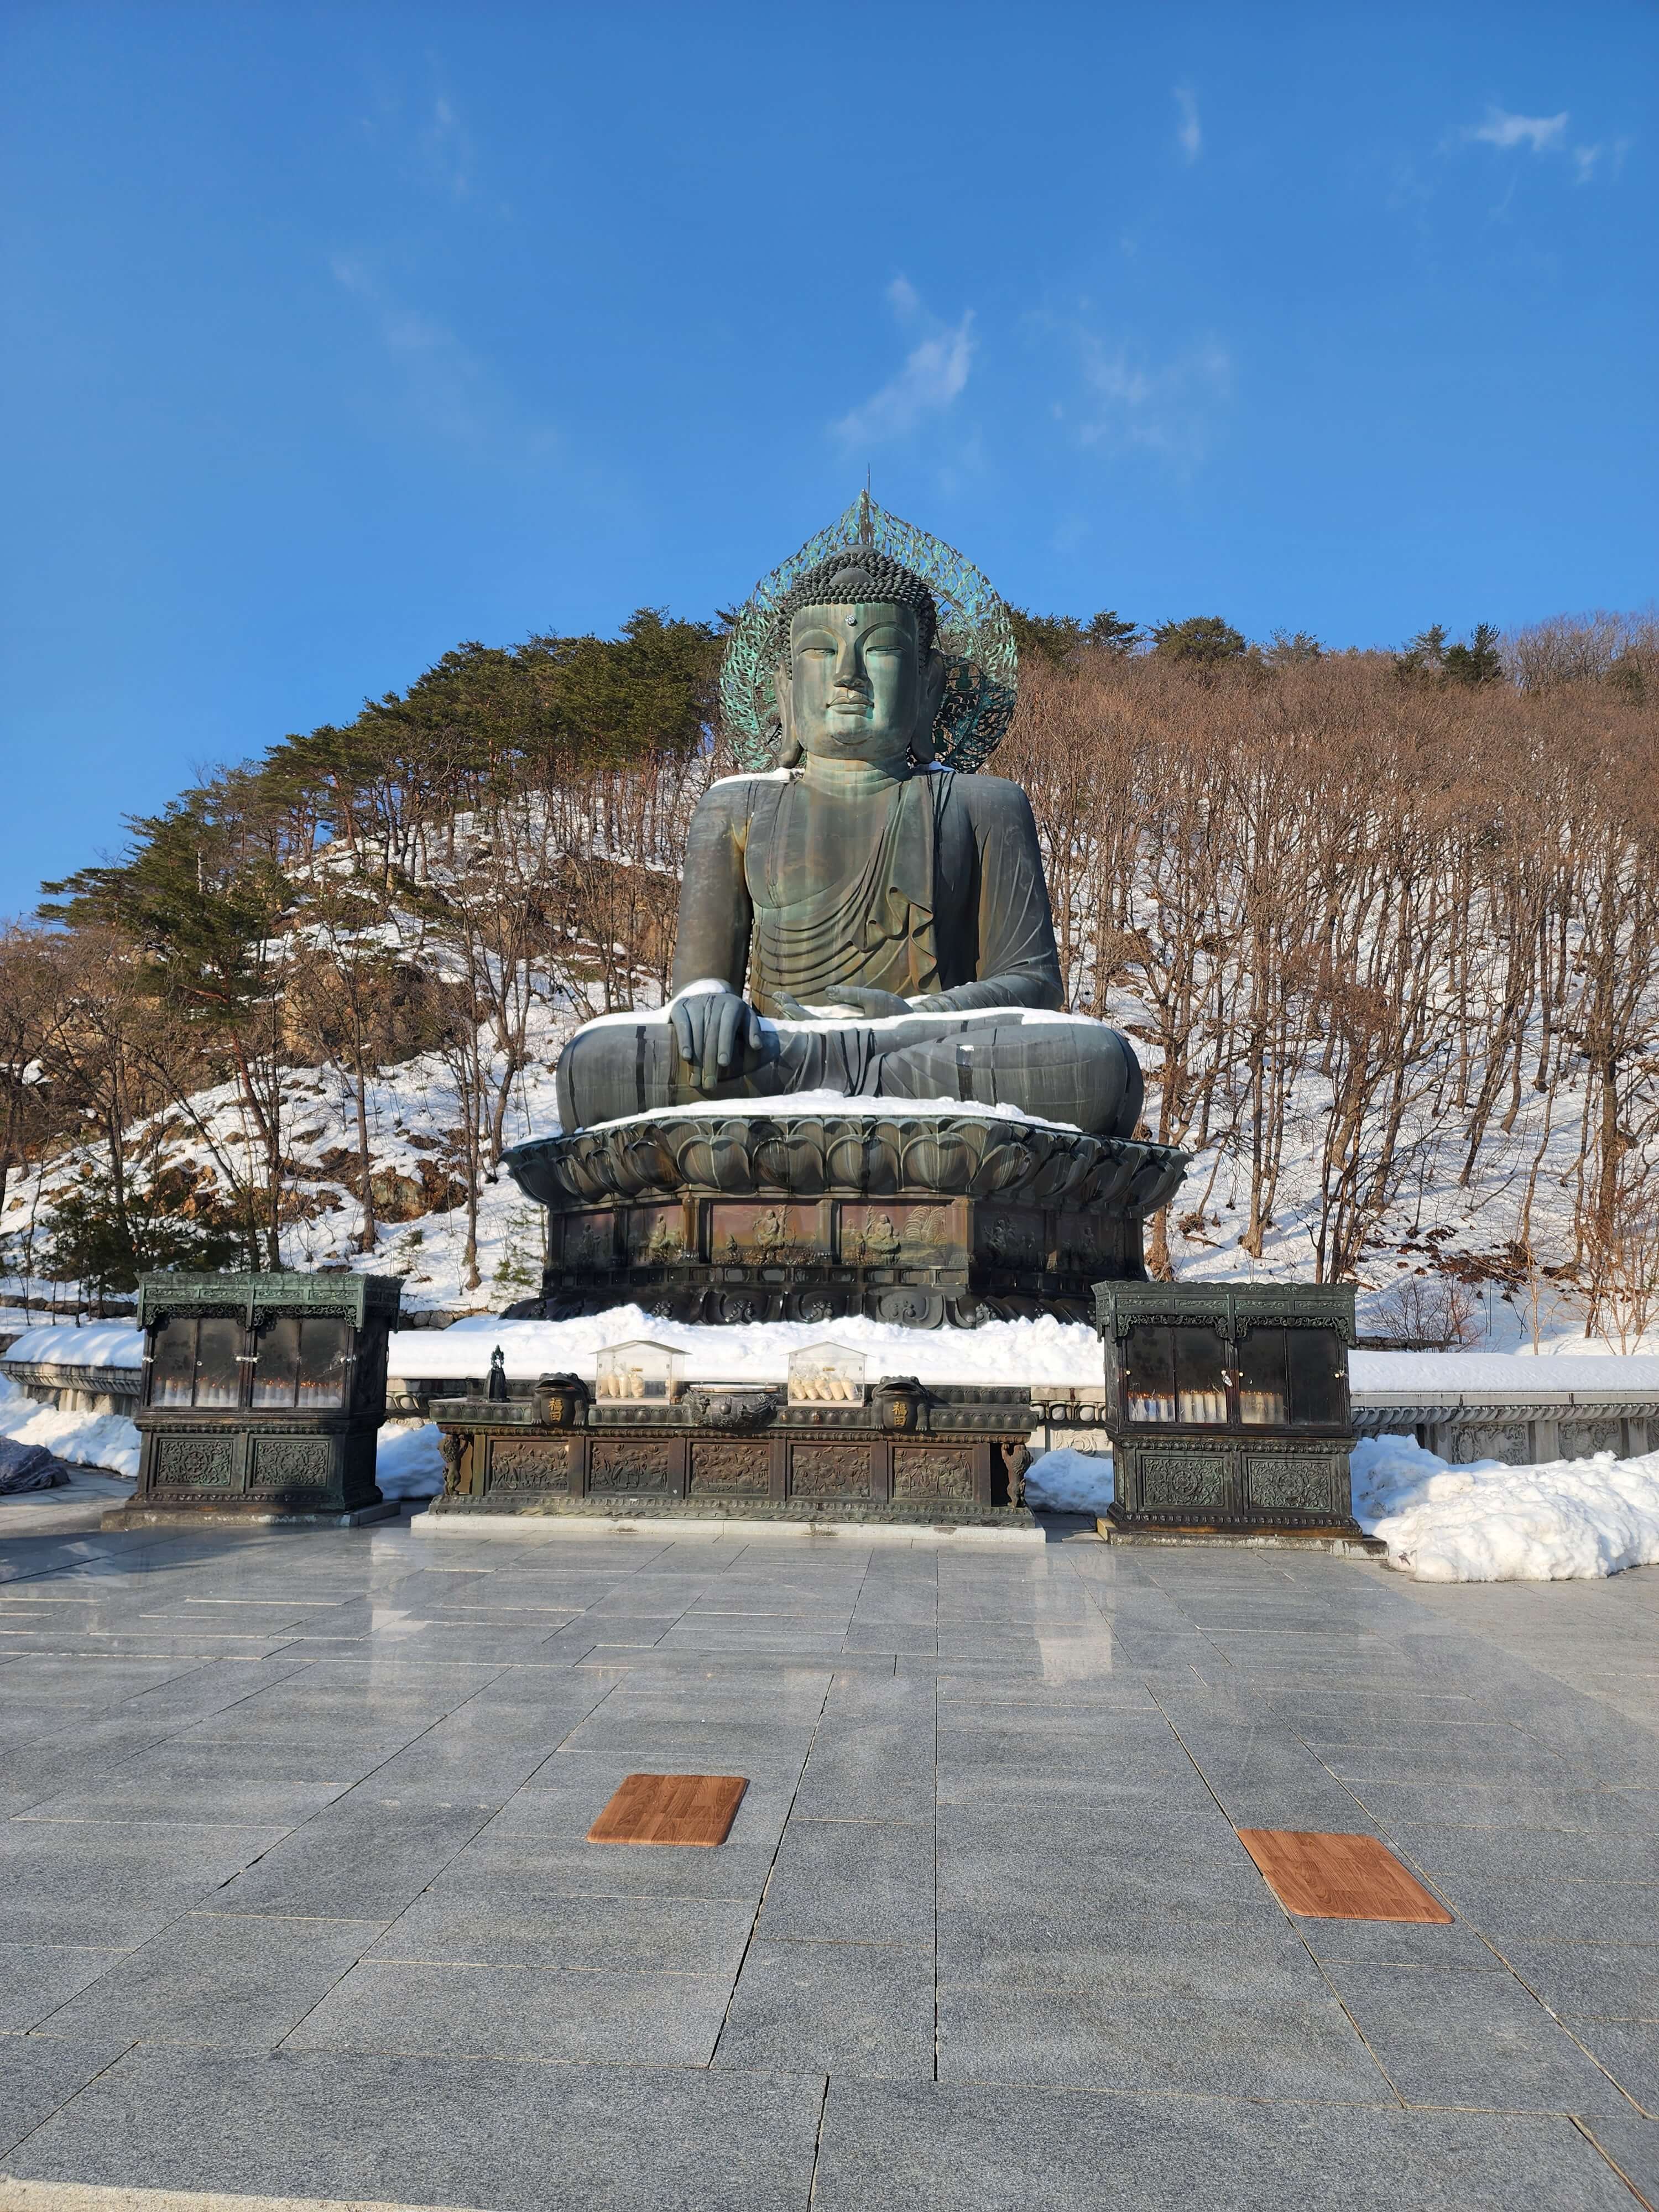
(750, 775)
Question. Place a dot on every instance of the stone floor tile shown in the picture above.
(39, 2074)
(512, 2137)
(980, 2149)
(604, 2016)
(36, 1979)
(863, 1768)
(1531, 1854)
(1633, 2145)
(635, 1935)
(1397, 1943)
(1472, 2040)
(364, 1856)
(1210, 2046)
(1630, 2051)
(1600, 1981)
(226, 1981)
(504, 1866)
(873, 1881)
(841, 2009)
(111, 1886)
(1022, 1942)
(1497, 1805)
(1515, 1907)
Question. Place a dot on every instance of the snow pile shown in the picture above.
(407, 1460)
(1411, 1375)
(101, 1440)
(99, 1344)
(1568, 1521)
(1068, 1481)
(1059, 1353)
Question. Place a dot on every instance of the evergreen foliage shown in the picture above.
(1201, 641)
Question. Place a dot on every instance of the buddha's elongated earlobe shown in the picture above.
(789, 745)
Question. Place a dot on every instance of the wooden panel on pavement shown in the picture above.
(1339, 1877)
(670, 1808)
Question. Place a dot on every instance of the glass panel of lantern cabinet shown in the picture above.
(1264, 1390)
(1316, 1364)
(324, 1348)
(173, 1375)
(218, 1366)
(1200, 1377)
(275, 1363)
(1149, 1373)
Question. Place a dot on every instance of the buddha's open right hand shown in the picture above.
(716, 1032)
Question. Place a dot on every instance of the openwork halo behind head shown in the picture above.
(974, 634)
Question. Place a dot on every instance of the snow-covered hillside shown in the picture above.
(413, 1112)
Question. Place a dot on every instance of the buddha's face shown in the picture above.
(858, 687)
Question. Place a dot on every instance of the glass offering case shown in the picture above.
(1227, 1403)
(826, 1374)
(638, 1373)
(264, 1393)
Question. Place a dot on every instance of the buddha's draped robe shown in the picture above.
(930, 887)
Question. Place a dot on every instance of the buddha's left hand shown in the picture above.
(875, 1004)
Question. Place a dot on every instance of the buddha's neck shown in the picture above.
(851, 779)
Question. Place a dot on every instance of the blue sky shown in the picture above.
(334, 335)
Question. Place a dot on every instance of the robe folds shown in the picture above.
(930, 886)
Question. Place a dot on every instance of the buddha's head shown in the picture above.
(858, 677)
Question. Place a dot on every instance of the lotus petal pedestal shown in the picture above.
(928, 1219)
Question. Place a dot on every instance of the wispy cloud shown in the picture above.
(1542, 134)
(934, 373)
(1168, 407)
(446, 148)
(1189, 134)
(447, 386)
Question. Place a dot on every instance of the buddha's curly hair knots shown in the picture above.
(856, 575)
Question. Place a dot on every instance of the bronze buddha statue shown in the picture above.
(859, 920)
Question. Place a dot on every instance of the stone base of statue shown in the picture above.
(927, 1218)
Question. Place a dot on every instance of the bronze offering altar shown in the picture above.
(825, 1447)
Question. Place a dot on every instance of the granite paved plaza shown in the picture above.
(297, 1901)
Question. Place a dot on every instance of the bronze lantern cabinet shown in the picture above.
(1227, 1405)
(262, 1397)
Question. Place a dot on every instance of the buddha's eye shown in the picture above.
(885, 641)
